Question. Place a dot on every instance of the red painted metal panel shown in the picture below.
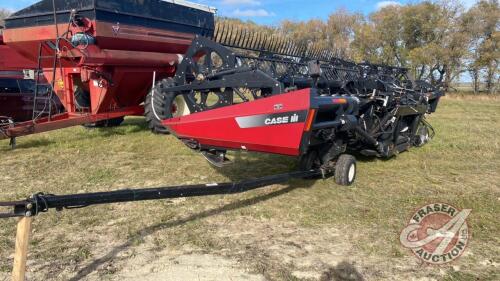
(220, 128)
(116, 73)
(11, 60)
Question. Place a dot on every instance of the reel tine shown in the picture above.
(214, 37)
(268, 43)
(282, 46)
(274, 41)
(277, 46)
(297, 50)
(249, 41)
(294, 49)
(262, 42)
(220, 30)
(286, 46)
(257, 41)
(308, 51)
(255, 38)
(265, 44)
(226, 31)
(313, 52)
(289, 48)
(231, 35)
(224, 35)
(238, 40)
(304, 50)
(317, 53)
(323, 55)
(286, 50)
(246, 40)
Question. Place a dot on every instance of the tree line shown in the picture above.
(440, 41)
(4, 13)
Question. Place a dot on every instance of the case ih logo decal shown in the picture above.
(272, 119)
(437, 233)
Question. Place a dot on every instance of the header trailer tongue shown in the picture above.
(39, 203)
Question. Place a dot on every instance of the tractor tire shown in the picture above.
(345, 170)
(155, 107)
(115, 122)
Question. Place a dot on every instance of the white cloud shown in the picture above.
(252, 13)
(241, 2)
(383, 4)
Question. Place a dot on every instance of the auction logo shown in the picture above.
(437, 233)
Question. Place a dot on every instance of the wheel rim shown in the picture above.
(179, 107)
(352, 172)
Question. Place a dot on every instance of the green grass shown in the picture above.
(460, 167)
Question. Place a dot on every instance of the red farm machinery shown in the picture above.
(217, 88)
(100, 57)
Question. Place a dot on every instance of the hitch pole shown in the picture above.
(39, 203)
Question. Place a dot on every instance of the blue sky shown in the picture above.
(272, 11)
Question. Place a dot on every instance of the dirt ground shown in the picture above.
(304, 230)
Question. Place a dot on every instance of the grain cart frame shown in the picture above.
(100, 56)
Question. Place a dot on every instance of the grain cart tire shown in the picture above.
(110, 123)
(345, 170)
(155, 107)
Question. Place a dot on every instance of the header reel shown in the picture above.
(237, 66)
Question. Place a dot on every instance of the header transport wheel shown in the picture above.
(345, 170)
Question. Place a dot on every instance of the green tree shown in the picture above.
(483, 22)
(429, 38)
(340, 32)
(3, 15)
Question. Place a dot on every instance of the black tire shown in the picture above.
(309, 161)
(345, 170)
(155, 106)
(115, 122)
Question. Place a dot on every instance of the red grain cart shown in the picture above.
(17, 87)
(102, 57)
